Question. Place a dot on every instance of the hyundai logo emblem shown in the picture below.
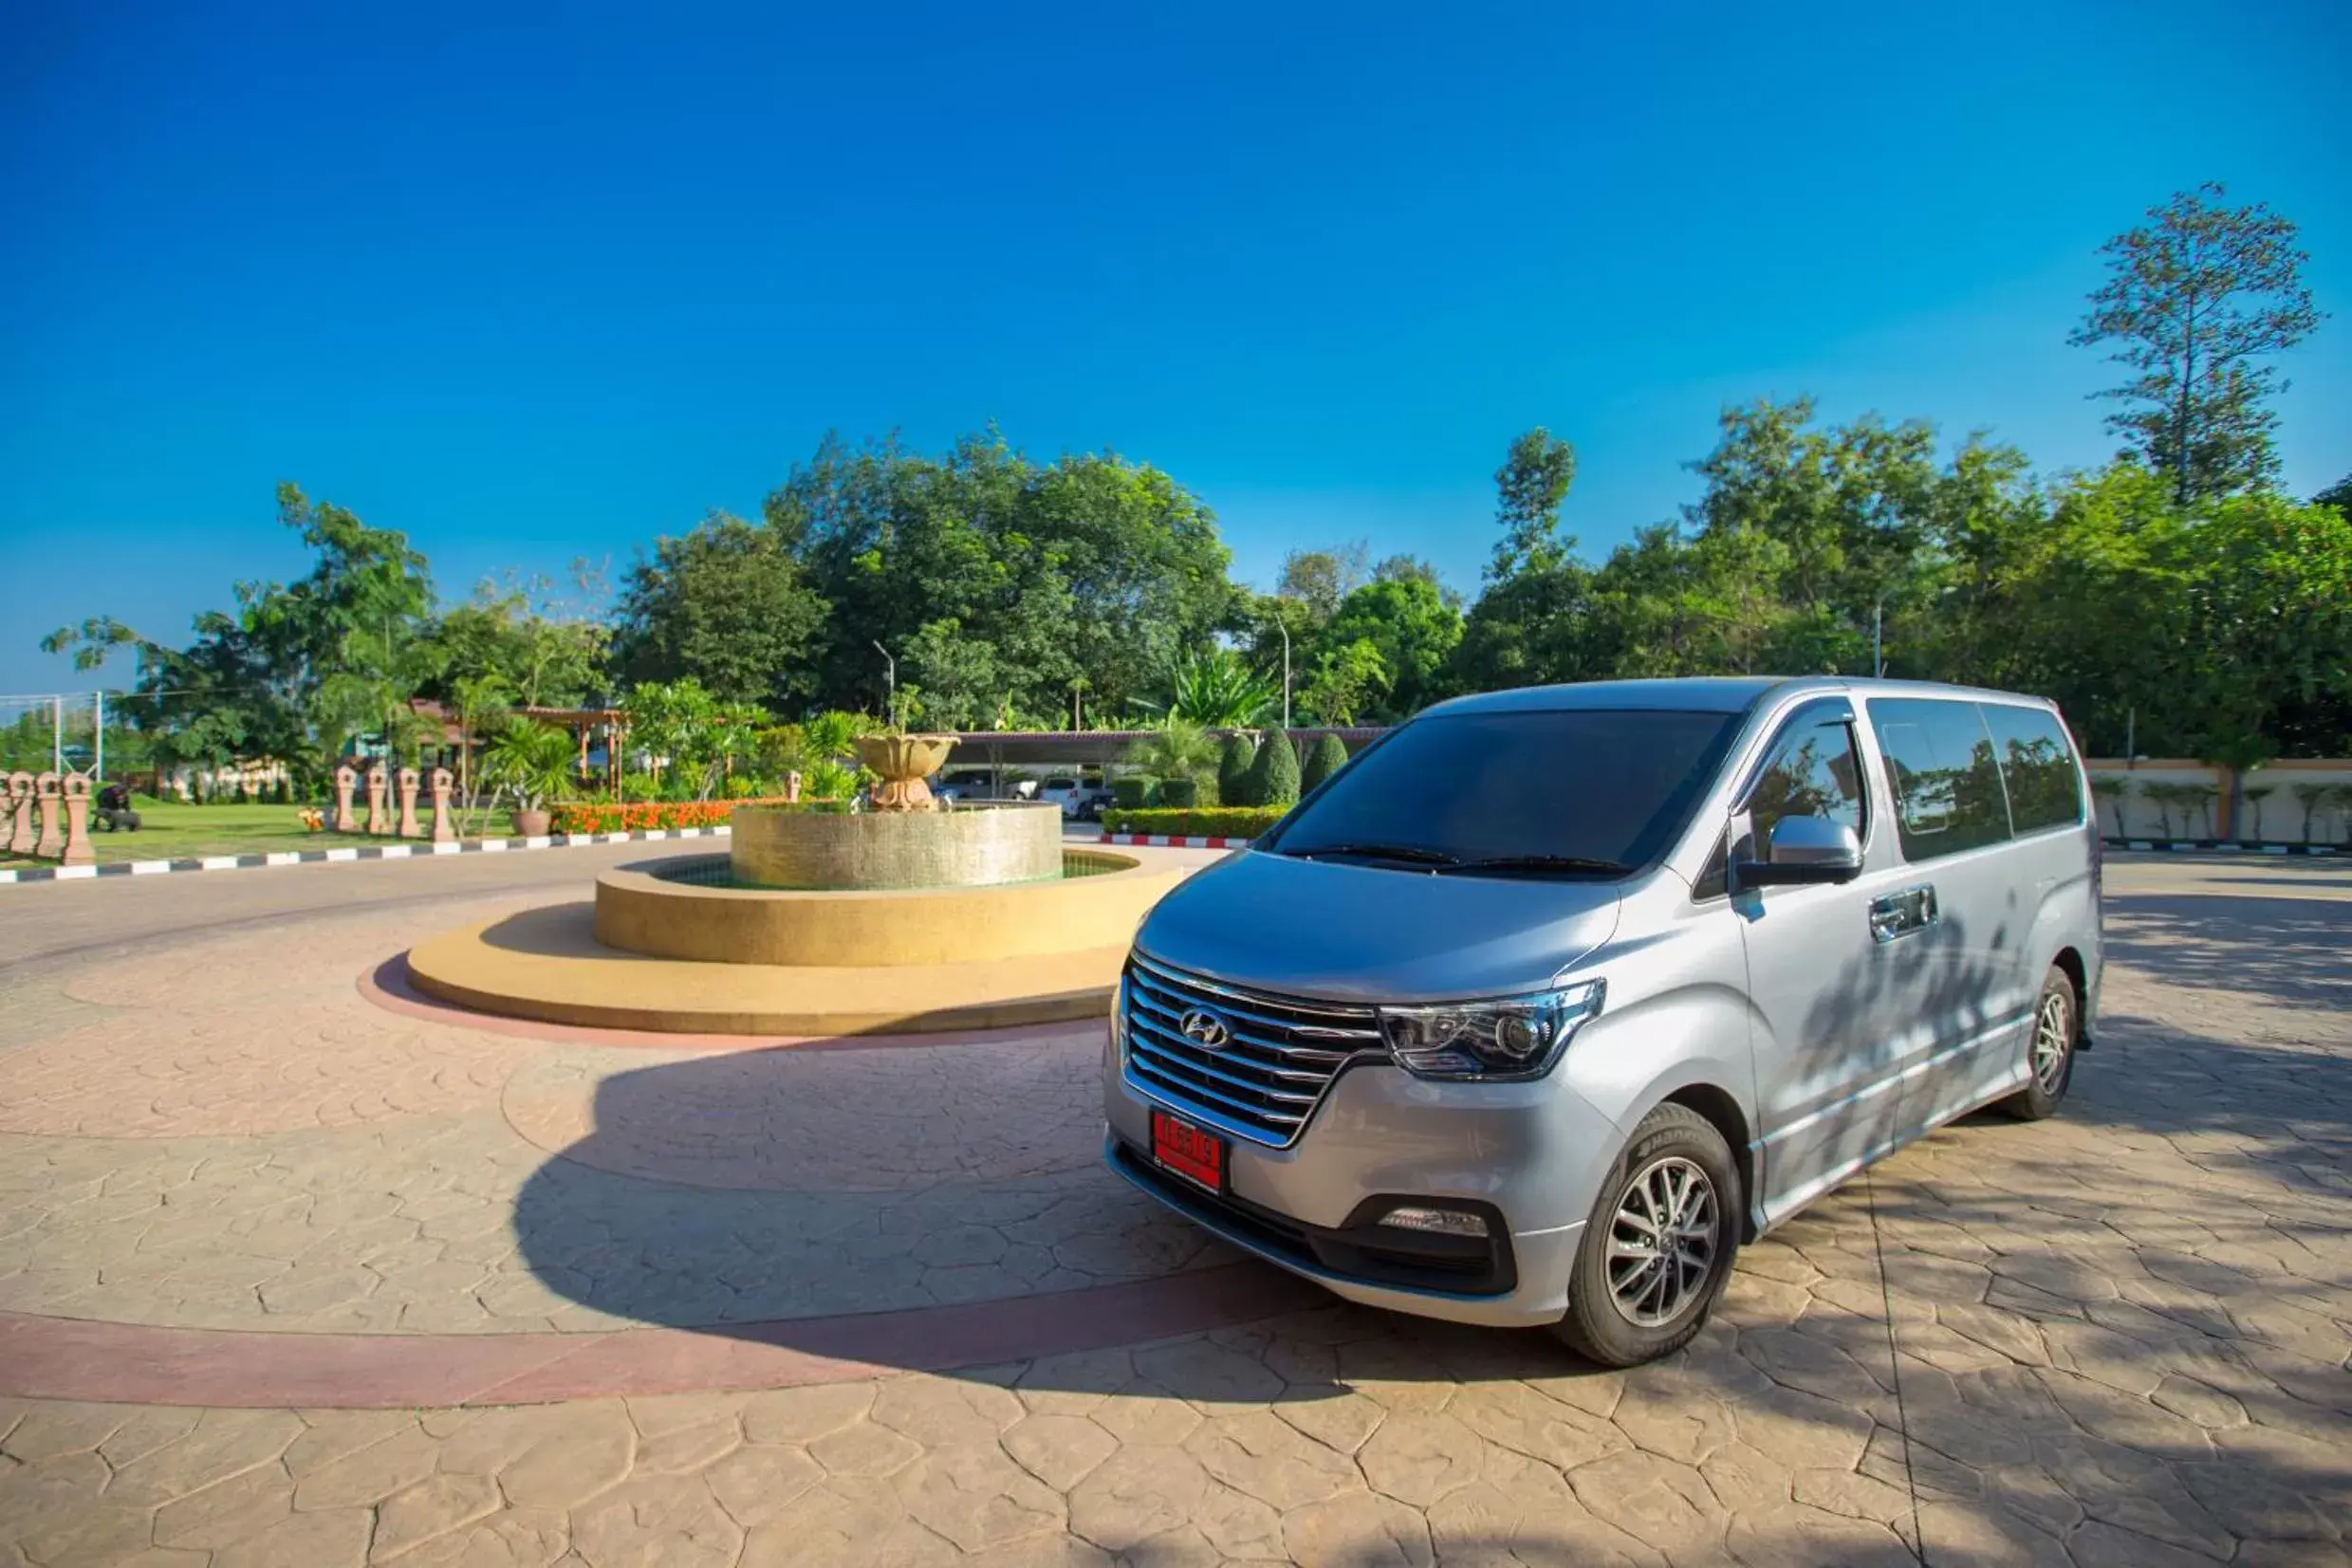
(1205, 1030)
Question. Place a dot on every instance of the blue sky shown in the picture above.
(535, 286)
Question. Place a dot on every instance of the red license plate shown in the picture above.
(1196, 1156)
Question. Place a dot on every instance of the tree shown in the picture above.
(1176, 748)
(2338, 495)
(1529, 487)
(1275, 774)
(1348, 679)
(726, 606)
(1408, 624)
(295, 670)
(2193, 300)
(1319, 579)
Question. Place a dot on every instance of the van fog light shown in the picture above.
(1442, 1222)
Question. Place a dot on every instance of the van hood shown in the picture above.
(1361, 933)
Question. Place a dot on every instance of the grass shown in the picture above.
(172, 831)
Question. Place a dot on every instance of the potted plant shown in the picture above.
(531, 762)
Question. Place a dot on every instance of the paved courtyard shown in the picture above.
(299, 1268)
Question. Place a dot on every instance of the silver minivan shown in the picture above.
(1550, 998)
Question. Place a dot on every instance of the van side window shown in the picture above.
(1814, 772)
(1948, 791)
(2044, 788)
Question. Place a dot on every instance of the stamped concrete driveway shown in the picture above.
(297, 1269)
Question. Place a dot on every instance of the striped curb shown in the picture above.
(2217, 847)
(404, 851)
(1171, 841)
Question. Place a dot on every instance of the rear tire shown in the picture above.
(2050, 1049)
(1658, 1248)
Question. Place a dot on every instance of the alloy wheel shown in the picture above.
(1662, 1240)
(2053, 1037)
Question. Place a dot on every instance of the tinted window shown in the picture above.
(1584, 785)
(1814, 772)
(2044, 790)
(1947, 793)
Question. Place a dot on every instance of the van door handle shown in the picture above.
(1902, 913)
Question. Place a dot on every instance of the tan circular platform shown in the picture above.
(546, 963)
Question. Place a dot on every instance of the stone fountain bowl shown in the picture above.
(904, 762)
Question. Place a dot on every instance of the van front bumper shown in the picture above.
(1527, 1158)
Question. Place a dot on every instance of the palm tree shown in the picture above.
(2314, 799)
(530, 760)
(1176, 748)
(2253, 795)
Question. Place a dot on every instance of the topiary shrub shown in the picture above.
(1130, 793)
(1179, 793)
(1328, 756)
(1233, 771)
(1273, 778)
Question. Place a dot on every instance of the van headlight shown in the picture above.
(1509, 1037)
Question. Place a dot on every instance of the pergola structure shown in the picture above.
(583, 723)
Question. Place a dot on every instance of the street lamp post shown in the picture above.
(1284, 627)
(890, 676)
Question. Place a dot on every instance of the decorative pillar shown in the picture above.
(408, 805)
(51, 845)
(444, 822)
(76, 792)
(378, 786)
(792, 787)
(346, 781)
(20, 812)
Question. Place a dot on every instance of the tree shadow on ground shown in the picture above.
(2291, 951)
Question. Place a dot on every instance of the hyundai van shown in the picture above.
(1550, 998)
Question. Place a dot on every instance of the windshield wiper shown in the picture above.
(1543, 862)
(1410, 853)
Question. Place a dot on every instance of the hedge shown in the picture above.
(640, 816)
(1178, 794)
(1219, 823)
(1273, 778)
(1132, 793)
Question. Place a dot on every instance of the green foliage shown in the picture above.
(1178, 751)
(1320, 580)
(2193, 300)
(1234, 769)
(828, 779)
(1412, 627)
(1214, 688)
(1328, 756)
(1347, 681)
(1219, 823)
(1178, 794)
(691, 736)
(726, 606)
(1131, 792)
(528, 761)
(1273, 778)
(998, 581)
(1531, 486)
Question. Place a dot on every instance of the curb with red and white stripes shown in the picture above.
(397, 850)
(1174, 840)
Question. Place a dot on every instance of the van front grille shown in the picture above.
(1256, 1064)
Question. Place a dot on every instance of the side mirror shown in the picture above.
(1804, 851)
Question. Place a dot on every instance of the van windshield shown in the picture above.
(1576, 792)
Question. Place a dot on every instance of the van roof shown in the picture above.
(1705, 694)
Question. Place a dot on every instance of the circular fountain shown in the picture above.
(822, 920)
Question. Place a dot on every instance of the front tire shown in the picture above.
(2050, 1049)
(1657, 1249)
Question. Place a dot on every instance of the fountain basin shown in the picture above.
(652, 907)
(781, 847)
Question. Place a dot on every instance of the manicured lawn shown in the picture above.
(173, 832)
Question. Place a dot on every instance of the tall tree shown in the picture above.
(2193, 300)
(1319, 579)
(2338, 495)
(1529, 487)
(726, 606)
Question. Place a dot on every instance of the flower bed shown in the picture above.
(1231, 822)
(639, 815)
